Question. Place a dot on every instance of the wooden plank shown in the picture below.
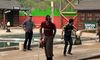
(69, 12)
(70, 2)
(11, 40)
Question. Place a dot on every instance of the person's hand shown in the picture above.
(41, 38)
(42, 43)
(26, 30)
(97, 32)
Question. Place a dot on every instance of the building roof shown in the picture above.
(88, 5)
(9, 4)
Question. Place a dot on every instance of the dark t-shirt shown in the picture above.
(68, 29)
(48, 29)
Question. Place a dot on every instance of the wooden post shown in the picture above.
(21, 46)
(52, 10)
(63, 11)
(4, 20)
(61, 24)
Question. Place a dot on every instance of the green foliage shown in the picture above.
(42, 7)
(56, 12)
(39, 12)
(21, 13)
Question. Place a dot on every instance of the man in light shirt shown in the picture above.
(28, 26)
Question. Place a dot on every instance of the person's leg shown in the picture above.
(70, 47)
(49, 58)
(26, 39)
(49, 47)
(45, 48)
(65, 47)
(30, 39)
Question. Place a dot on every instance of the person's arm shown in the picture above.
(23, 26)
(62, 34)
(41, 35)
(34, 25)
(74, 30)
(54, 31)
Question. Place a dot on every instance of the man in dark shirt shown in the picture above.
(48, 31)
(67, 37)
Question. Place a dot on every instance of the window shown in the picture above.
(82, 16)
(97, 16)
(89, 16)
